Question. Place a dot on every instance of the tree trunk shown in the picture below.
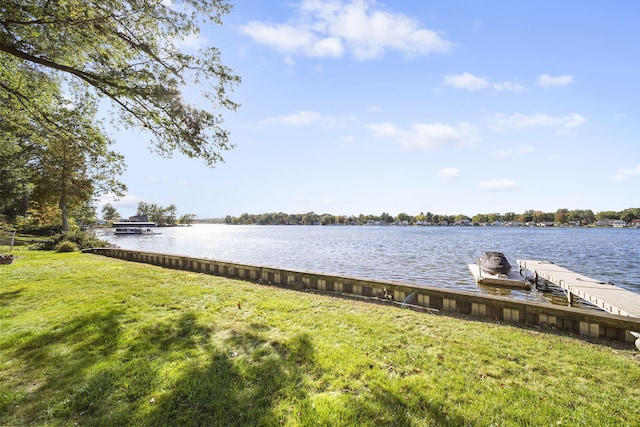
(63, 209)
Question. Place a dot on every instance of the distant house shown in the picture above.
(605, 222)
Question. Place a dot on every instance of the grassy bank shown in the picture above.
(96, 341)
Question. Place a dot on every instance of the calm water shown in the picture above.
(434, 256)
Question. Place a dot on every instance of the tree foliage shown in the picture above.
(15, 176)
(158, 214)
(127, 51)
(59, 59)
(59, 156)
(20, 144)
(76, 163)
(577, 217)
(187, 219)
(110, 213)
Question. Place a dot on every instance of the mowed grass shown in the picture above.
(89, 340)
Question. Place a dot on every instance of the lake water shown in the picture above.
(434, 256)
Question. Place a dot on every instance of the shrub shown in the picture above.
(81, 239)
(66, 246)
(36, 225)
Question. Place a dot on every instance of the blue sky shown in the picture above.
(449, 107)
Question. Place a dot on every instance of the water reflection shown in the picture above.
(433, 256)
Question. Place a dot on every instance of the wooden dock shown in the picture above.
(604, 295)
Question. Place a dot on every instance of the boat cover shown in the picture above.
(494, 263)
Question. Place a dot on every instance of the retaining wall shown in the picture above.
(589, 323)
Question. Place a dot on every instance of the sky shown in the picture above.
(355, 107)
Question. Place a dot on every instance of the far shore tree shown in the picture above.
(158, 214)
(576, 217)
(110, 213)
(187, 219)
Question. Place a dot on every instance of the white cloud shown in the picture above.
(310, 118)
(548, 81)
(449, 173)
(471, 82)
(517, 121)
(284, 38)
(511, 152)
(573, 121)
(428, 135)
(466, 81)
(508, 87)
(624, 174)
(331, 46)
(301, 118)
(358, 27)
(498, 185)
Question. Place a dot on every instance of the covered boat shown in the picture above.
(134, 228)
(493, 269)
(494, 263)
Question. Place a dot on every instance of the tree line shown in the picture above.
(561, 216)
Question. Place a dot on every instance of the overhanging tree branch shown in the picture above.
(124, 50)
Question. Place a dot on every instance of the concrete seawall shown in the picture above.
(589, 323)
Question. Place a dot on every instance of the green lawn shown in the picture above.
(90, 340)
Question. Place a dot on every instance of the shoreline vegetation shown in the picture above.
(90, 340)
(562, 217)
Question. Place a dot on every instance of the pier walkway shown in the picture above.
(604, 295)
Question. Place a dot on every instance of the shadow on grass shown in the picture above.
(53, 361)
(7, 297)
(93, 371)
(391, 407)
(85, 371)
(243, 382)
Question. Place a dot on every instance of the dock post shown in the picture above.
(567, 289)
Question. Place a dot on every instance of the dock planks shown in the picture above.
(604, 295)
